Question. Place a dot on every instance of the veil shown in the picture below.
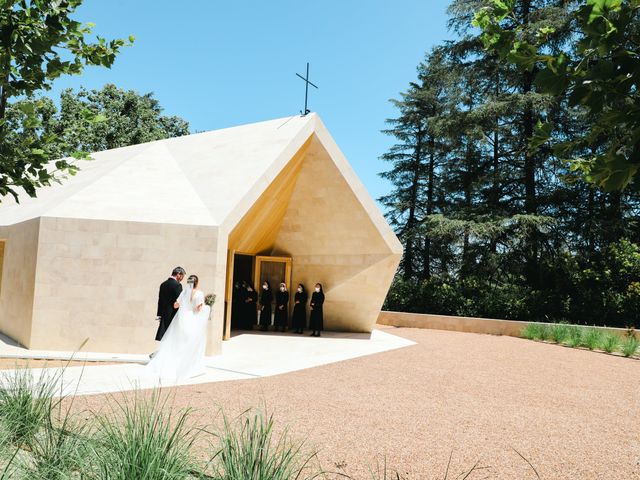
(185, 299)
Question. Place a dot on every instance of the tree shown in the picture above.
(39, 42)
(598, 71)
(118, 118)
(126, 118)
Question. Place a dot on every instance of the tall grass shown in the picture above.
(593, 338)
(559, 332)
(26, 404)
(574, 336)
(611, 342)
(143, 438)
(630, 346)
(248, 449)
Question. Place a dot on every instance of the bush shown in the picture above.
(559, 333)
(143, 438)
(574, 336)
(592, 338)
(611, 342)
(248, 450)
(630, 346)
(26, 404)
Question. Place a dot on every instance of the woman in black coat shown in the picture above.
(281, 319)
(266, 297)
(250, 313)
(299, 319)
(316, 318)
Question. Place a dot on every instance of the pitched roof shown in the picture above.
(211, 178)
(195, 179)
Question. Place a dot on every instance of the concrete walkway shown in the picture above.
(246, 355)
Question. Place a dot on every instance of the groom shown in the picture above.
(169, 292)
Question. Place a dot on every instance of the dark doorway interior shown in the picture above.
(242, 272)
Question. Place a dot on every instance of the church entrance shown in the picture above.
(254, 270)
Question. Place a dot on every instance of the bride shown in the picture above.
(181, 352)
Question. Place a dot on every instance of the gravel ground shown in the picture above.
(573, 414)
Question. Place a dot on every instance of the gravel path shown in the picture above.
(573, 414)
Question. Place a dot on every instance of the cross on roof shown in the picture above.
(306, 89)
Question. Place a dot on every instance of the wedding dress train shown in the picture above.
(181, 352)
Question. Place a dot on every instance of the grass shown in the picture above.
(559, 332)
(592, 338)
(630, 346)
(611, 343)
(26, 405)
(574, 337)
(248, 449)
(143, 438)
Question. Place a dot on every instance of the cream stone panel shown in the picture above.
(18, 279)
(334, 240)
(98, 280)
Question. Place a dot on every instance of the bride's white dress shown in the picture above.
(181, 352)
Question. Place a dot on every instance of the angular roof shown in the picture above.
(209, 178)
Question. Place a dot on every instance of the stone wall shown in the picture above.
(98, 280)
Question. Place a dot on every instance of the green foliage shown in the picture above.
(144, 439)
(40, 42)
(531, 331)
(593, 338)
(597, 72)
(630, 346)
(26, 404)
(249, 450)
(611, 343)
(559, 333)
(574, 338)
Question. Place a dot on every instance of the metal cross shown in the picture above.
(306, 89)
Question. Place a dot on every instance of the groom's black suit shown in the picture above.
(169, 292)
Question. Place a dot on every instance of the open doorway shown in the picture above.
(243, 266)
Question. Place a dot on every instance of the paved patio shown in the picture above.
(247, 355)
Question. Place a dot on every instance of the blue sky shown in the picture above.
(219, 64)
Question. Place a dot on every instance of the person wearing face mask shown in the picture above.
(250, 313)
(266, 297)
(299, 319)
(316, 318)
(281, 319)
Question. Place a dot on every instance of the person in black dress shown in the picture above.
(169, 292)
(299, 319)
(316, 319)
(250, 311)
(236, 305)
(266, 297)
(281, 319)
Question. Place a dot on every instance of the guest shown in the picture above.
(316, 320)
(281, 320)
(266, 297)
(250, 312)
(236, 305)
(299, 319)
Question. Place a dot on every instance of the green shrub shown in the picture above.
(143, 439)
(593, 338)
(531, 331)
(248, 450)
(56, 454)
(574, 336)
(559, 333)
(630, 346)
(26, 404)
(611, 342)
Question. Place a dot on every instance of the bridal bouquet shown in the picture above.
(209, 300)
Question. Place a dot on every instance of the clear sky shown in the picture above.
(219, 64)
